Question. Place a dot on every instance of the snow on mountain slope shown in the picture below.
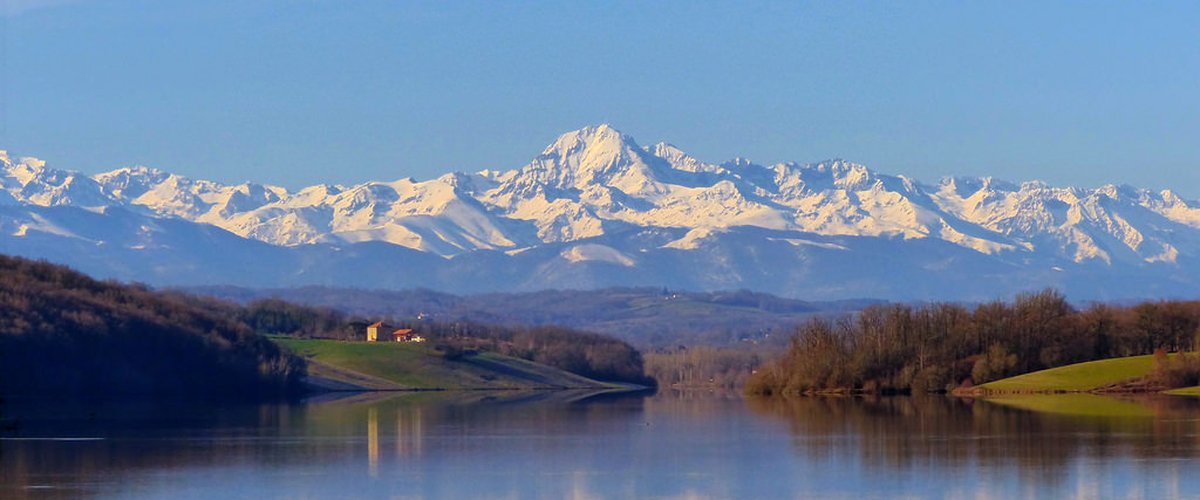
(29, 181)
(433, 216)
(1103, 224)
(595, 184)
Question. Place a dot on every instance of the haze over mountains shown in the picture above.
(595, 209)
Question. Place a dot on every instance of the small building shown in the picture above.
(407, 335)
(374, 329)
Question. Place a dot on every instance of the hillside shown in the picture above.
(1178, 376)
(1078, 377)
(65, 334)
(587, 354)
(340, 365)
(595, 209)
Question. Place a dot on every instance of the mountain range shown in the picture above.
(596, 209)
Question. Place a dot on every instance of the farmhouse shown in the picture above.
(377, 332)
(374, 329)
(407, 335)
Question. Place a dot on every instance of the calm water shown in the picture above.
(558, 445)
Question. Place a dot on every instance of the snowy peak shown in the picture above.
(599, 155)
(837, 174)
(28, 180)
(131, 182)
(680, 160)
(602, 135)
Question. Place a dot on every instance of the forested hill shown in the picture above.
(63, 333)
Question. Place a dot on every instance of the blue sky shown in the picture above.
(296, 93)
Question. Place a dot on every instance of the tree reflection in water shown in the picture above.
(557, 444)
(960, 435)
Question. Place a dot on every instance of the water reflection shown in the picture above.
(373, 441)
(1044, 439)
(70, 450)
(585, 445)
(409, 431)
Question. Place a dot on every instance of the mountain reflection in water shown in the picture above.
(586, 445)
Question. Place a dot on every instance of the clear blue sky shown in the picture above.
(296, 92)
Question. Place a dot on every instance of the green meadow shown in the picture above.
(1080, 377)
(412, 366)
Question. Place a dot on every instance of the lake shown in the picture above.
(580, 445)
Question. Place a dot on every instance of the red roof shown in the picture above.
(402, 332)
(378, 324)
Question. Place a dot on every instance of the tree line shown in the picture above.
(703, 366)
(940, 346)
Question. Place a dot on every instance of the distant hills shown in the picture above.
(653, 318)
(595, 209)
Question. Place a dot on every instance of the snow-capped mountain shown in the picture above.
(595, 209)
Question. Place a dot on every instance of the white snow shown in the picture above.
(597, 253)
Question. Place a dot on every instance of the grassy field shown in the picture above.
(1081, 377)
(337, 364)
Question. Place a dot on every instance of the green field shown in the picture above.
(341, 365)
(1080, 377)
